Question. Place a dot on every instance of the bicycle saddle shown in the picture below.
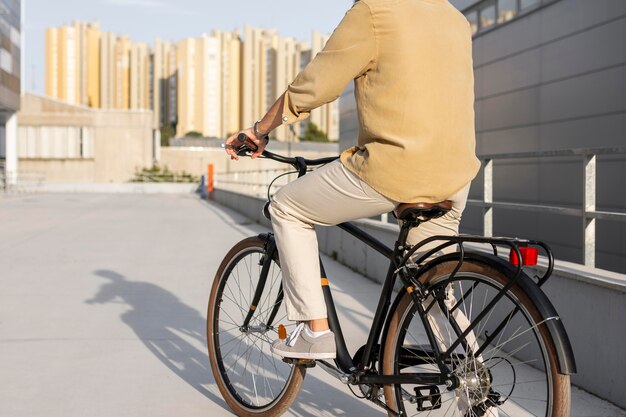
(422, 211)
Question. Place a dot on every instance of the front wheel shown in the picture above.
(506, 366)
(252, 380)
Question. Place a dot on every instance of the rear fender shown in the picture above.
(562, 345)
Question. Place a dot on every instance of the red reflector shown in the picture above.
(529, 256)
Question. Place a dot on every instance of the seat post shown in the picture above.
(412, 215)
(405, 227)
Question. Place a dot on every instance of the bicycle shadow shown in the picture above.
(170, 329)
(159, 319)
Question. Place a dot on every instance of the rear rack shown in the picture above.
(513, 244)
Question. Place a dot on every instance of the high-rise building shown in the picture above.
(255, 78)
(208, 84)
(73, 63)
(270, 63)
(214, 84)
(199, 70)
(286, 63)
(92, 75)
(231, 81)
(121, 73)
(107, 70)
(140, 67)
(326, 117)
(164, 81)
(85, 66)
(10, 86)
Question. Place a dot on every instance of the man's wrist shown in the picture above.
(258, 133)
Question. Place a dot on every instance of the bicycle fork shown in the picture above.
(266, 262)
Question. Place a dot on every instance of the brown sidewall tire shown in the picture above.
(291, 390)
(561, 383)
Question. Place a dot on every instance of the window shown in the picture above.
(55, 142)
(488, 15)
(472, 18)
(6, 62)
(507, 9)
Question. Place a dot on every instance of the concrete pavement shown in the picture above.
(102, 309)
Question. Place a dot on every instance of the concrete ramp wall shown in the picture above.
(591, 302)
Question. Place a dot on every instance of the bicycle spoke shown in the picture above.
(225, 343)
(236, 359)
(242, 310)
(509, 355)
(241, 295)
(517, 397)
(225, 312)
(227, 330)
(250, 372)
(271, 288)
(231, 349)
(520, 383)
(520, 334)
(245, 368)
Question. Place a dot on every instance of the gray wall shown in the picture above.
(555, 79)
(552, 79)
(597, 334)
(463, 4)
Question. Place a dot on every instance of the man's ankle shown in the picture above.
(318, 325)
(312, 333)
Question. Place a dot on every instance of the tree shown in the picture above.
(314, 134)
(162, 174)
(194, 134)
(167, 132)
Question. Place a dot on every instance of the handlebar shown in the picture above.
(247, 148)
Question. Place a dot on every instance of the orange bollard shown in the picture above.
(209, 182)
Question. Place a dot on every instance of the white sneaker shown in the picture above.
(299, 345)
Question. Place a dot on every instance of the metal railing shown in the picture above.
(3, 177)
(23, 181)
(255, 183)
(587, 212)
(161, 177)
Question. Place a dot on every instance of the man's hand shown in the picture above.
(232, 143)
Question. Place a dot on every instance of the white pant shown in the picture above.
(326, 197)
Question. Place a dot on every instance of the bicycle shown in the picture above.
(468, 333)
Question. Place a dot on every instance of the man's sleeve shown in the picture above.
(349, 53)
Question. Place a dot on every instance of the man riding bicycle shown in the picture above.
(411, 62)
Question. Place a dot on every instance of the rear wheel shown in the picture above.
(507, 366)
(252, 380)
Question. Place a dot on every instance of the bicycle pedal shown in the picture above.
(307, 363)
(427, 398)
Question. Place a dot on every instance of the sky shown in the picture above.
(145, 20)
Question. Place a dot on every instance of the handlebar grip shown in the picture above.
(245, 144)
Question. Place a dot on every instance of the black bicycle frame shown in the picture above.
(343, 361)
(398, 257)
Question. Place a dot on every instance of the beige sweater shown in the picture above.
(411, 61)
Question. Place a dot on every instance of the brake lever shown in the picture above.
(244, 150)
